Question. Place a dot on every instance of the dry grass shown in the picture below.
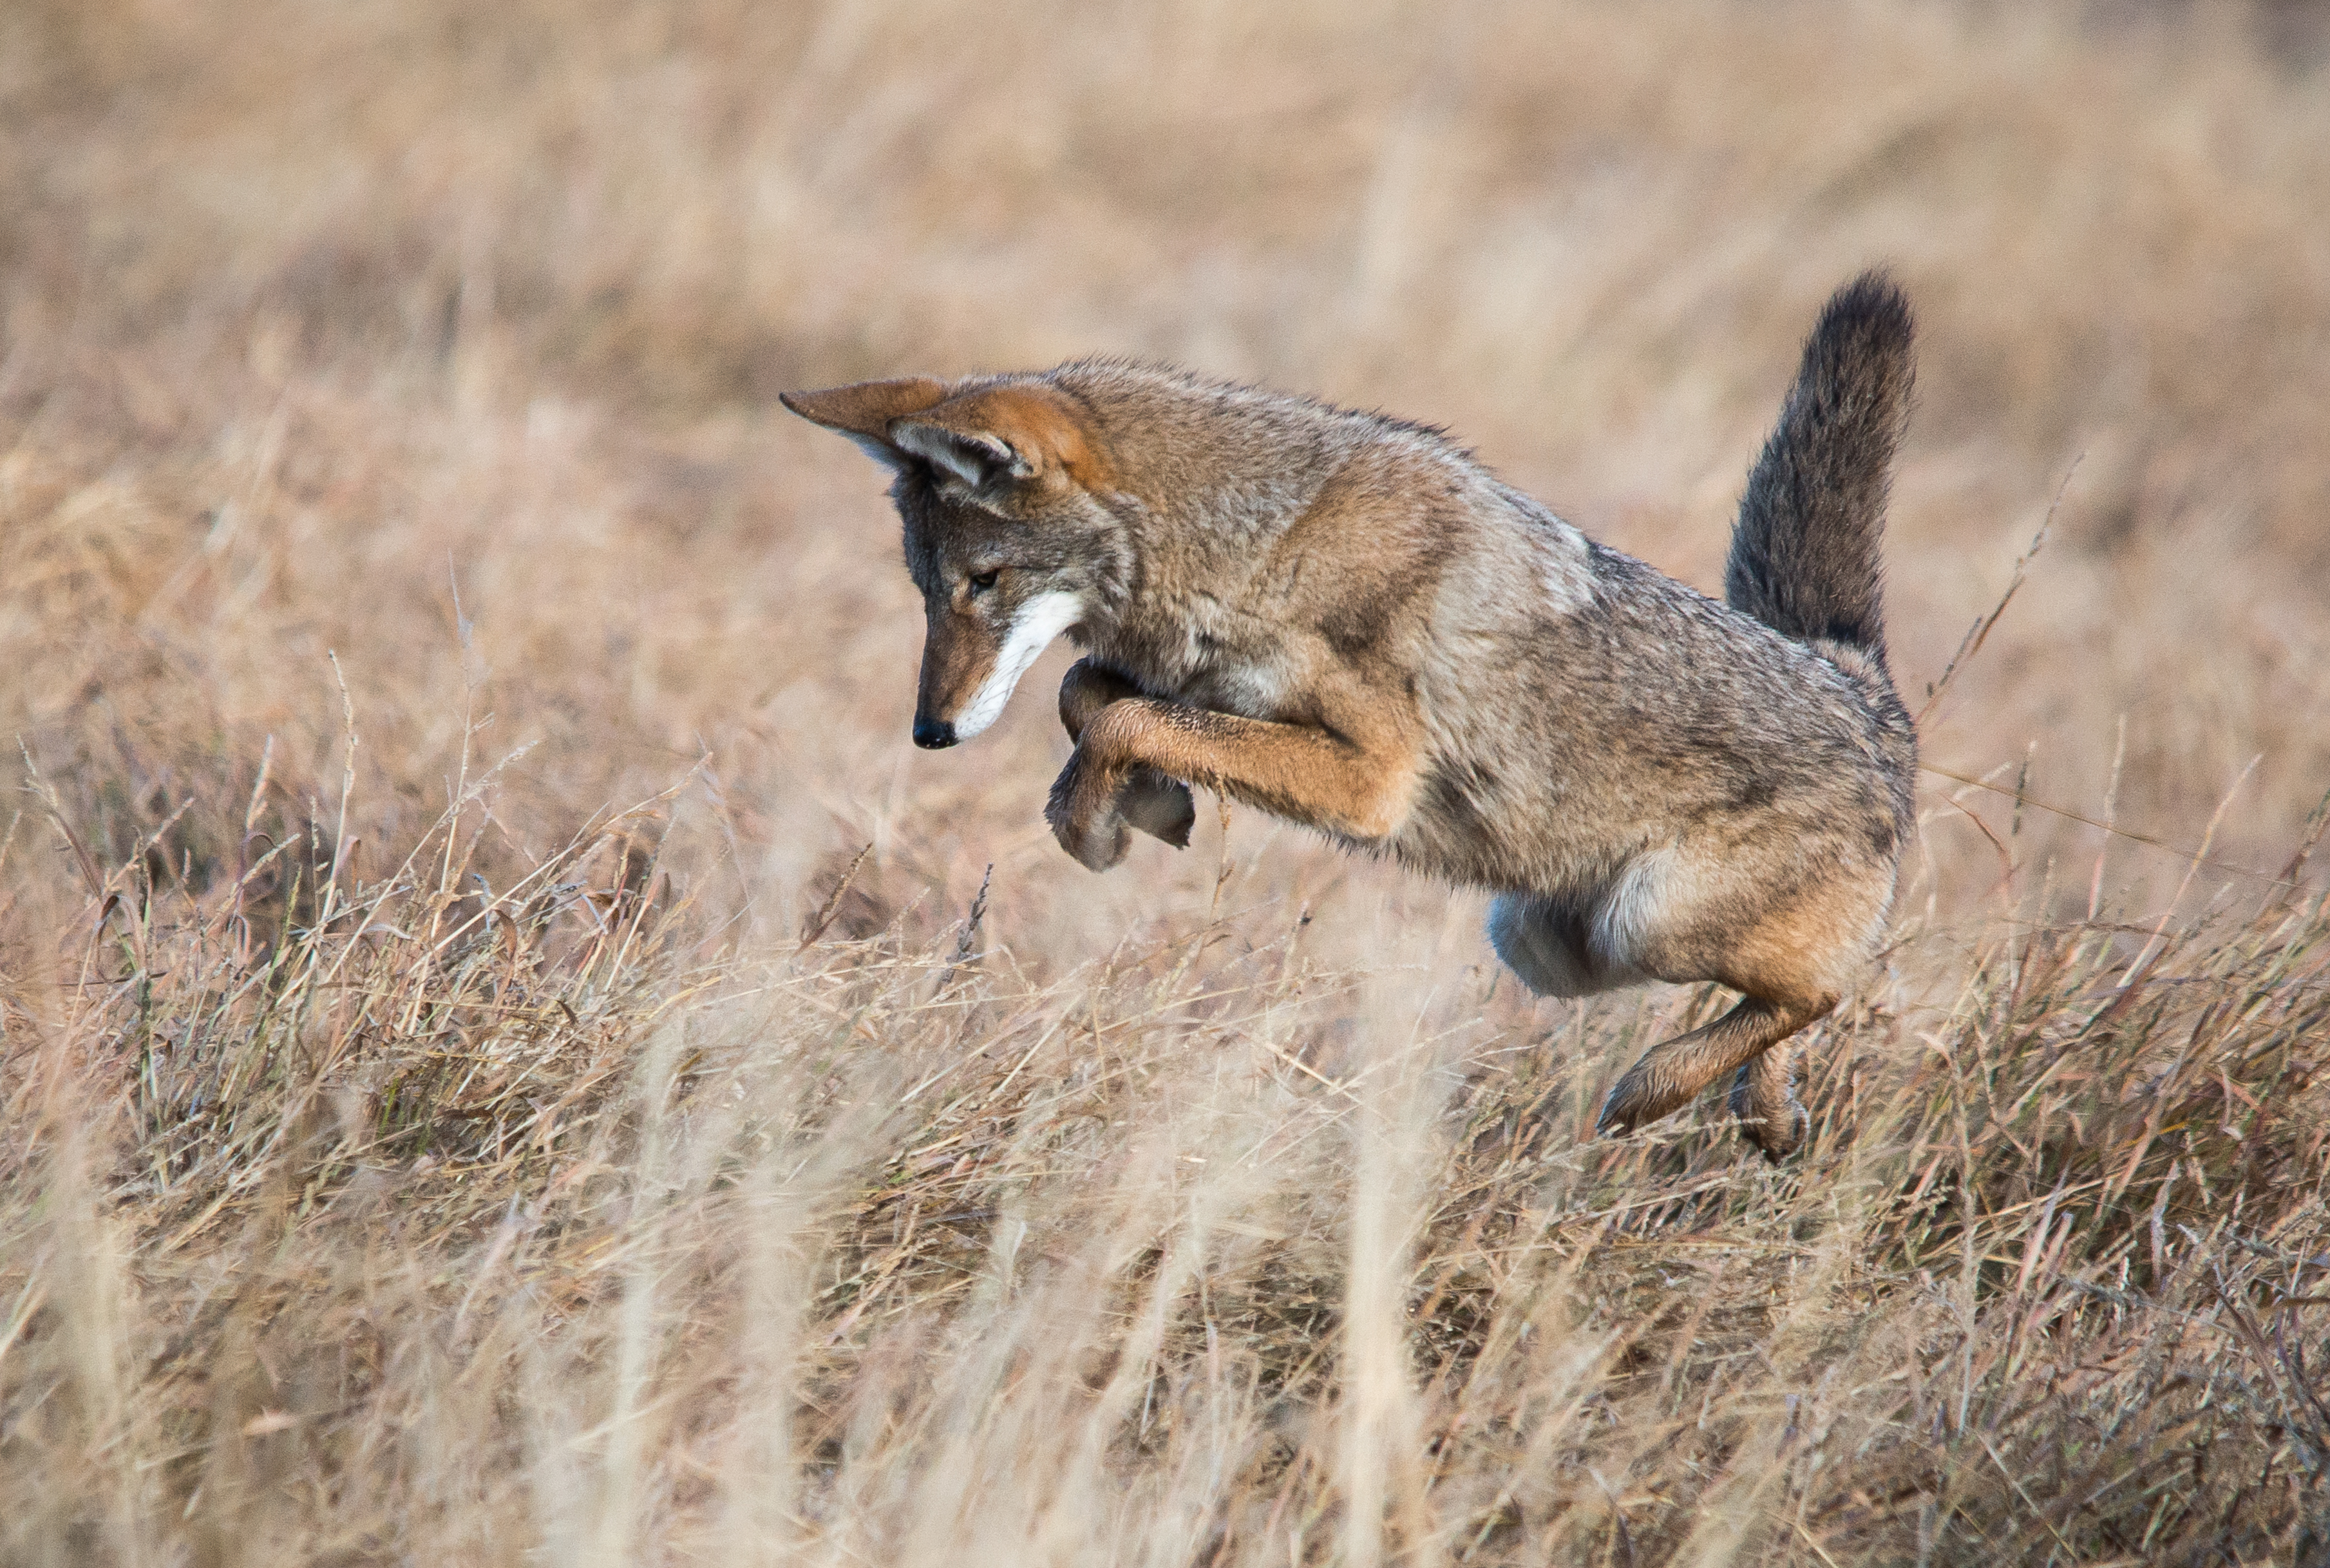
(447, 694)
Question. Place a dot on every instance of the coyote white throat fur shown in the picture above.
(1344, 620)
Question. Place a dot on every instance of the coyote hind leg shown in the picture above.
(1766, 1103)
(1673, 1070)
(1544, 941)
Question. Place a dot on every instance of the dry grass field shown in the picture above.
(509, 1054)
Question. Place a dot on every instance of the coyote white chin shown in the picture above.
(1343, 619)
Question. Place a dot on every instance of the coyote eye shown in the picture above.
(980, 582)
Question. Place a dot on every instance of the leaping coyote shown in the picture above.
(1344, 620)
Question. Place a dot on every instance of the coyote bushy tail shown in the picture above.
(1804, 554)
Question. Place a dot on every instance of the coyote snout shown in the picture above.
(1343, 619)
(980, 639)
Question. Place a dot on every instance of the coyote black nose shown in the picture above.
(933, 734)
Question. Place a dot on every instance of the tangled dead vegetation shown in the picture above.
(446, 1220)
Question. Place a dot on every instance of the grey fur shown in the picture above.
(1804, 556)
(1345, 619)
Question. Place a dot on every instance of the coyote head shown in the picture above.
(1003, 489)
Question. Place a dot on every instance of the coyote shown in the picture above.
(1342, 619)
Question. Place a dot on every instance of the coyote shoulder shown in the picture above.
(1344, 620)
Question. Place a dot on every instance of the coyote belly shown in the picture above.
(1343, 619)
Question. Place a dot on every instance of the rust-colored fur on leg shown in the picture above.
(1158, 805)
(1785, 968)
(1673, 1072)
(1291, 770)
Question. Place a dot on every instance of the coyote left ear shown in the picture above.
(972, 456)
(1019, 430)
(864, 412)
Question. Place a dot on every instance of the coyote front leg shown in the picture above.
(1158, 805)
(1291, 770)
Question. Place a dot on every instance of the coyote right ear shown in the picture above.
(863, 412)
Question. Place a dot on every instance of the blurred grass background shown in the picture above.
(442, 341)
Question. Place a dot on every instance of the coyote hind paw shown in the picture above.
(1632, 1102)
(1770, 1115)
(1778, 1143)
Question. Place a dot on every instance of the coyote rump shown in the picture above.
(1342, 619)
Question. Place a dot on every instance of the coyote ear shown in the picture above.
(972, 456)
(1017, 430)
(864, 412)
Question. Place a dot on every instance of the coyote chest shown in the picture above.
(1199, 651)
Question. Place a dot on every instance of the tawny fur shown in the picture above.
(1344, 620)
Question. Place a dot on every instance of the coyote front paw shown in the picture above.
(1158, 805)
(1091, 805)
(1083, 817)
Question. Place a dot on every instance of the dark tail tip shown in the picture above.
(1804, 556)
